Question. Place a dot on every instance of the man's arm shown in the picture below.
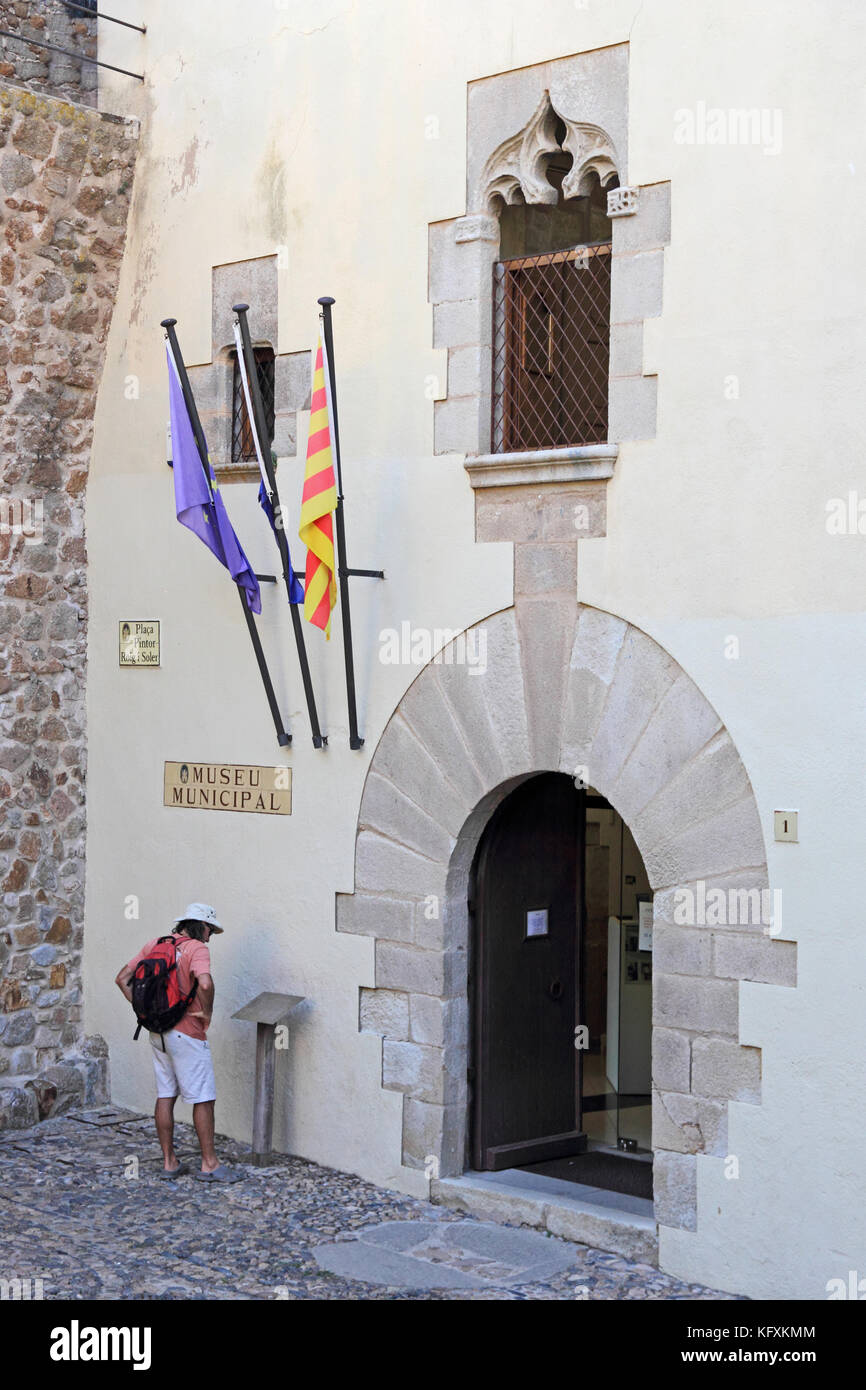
(204, 999)
(122, 980)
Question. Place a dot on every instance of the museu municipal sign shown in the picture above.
(229, 787)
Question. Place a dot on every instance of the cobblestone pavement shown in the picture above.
(82, 1209)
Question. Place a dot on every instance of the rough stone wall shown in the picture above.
(65, 183)
(49, 21)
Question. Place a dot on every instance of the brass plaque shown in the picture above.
(229, 787)
(139, 642)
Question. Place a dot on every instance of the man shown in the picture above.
(181, 1057)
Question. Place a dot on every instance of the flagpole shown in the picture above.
(355, 740)
(168, 324)
(259, 425)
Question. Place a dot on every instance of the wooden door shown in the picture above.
(527, 909)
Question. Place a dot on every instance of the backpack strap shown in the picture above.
(188, 998)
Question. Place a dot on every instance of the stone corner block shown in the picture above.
(636, 285)
(431, 1137)
(457, 425)
(633, 408)
(689, 1124)
(698, 1005)
(675, 1190)
(367, 914)
(649, 227)
(384, 1011)
(750, 956)
(725, 1070)
(416, 1070)
(671, 1060)
(416, 971)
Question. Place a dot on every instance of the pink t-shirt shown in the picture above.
(193, 959)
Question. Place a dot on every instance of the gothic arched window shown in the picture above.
(551, 311)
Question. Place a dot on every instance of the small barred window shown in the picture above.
(243, 448)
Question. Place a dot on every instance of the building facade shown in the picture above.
(588, 343)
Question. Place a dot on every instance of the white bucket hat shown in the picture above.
(200, 912)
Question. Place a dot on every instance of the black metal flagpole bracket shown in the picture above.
(259, 425)
(343, 570)
(283, 738)
(70, 53)
(100, 14)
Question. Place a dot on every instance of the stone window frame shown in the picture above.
(254, 282)
(588, 93)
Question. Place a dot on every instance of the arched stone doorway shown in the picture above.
(563, 687)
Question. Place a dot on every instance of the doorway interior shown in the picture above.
(561, 991)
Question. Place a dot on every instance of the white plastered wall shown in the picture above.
(310, 127)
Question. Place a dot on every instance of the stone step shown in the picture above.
(605, 1220)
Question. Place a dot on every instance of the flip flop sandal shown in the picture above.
(220, 1174)
(168, 1174)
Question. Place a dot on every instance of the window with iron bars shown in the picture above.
(551, 349)
(243, 447)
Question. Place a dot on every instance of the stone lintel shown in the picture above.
(534, 466)
(567, 511)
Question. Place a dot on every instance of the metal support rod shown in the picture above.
(259, 424)
(263, 1101)
(79, 57)
(189, 400)
(283, 739)
(99, 14)
(355, 740)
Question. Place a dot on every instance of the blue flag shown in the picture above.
(200, 507)
(296, 590)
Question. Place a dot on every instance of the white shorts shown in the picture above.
(184, 1066)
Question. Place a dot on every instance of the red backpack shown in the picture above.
(156, 997)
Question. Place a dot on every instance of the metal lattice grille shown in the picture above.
(551, 349)
(243, 447)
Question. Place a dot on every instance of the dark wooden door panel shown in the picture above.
(526, 1094)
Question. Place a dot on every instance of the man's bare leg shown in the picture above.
(203, 1119)
(164, 1117)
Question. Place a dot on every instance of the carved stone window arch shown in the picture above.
(517, 167)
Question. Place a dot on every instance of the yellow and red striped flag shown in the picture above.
(317, 505)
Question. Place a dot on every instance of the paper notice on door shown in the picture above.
(645, 927)
(536, 922)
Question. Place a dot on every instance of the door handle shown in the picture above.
(554, 989)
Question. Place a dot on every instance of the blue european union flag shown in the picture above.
(296, 590)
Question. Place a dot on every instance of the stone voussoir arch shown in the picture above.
(554, 686)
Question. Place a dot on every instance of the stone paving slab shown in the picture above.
(107, 1115)
(453, 1255)
(82, 1208)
